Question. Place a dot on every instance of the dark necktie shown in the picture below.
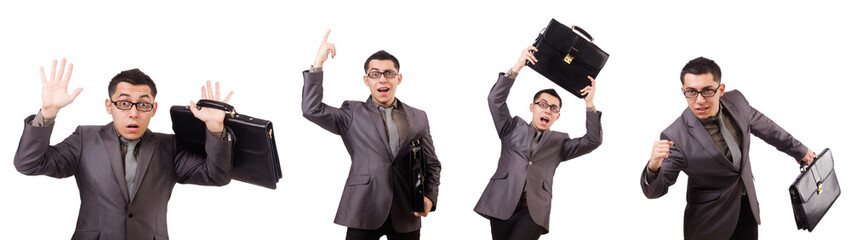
(392, 132)
(130, 163)
(536, 140)
(732, 146)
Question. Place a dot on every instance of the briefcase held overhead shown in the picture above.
(814, 191)
(566, 58)
(255, 154)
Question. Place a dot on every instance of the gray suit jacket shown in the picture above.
(377, 181)
(714, 185)
(516, 166)
(92, 155)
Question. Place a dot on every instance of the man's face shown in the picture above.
(131, 124)
(383, 90)
(543, 118)
(703, 107)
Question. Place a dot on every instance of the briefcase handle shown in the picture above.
(577, 28)
(217, 105)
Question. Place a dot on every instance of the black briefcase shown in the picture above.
(255, 155)
(417, 183)
(814, 191)
(566, 58)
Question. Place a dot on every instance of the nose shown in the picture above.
(700, 98)
(133, 112)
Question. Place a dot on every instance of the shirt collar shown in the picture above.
(394, 105)
(713, 120)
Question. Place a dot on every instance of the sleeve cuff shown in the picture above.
(221, 135)
(592, 109)
(511, 74)
(649, 175)
(41, 121)
(315, 69)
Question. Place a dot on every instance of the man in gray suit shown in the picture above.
(125, 172)
(710, 142)
(518, 197)
(378, 134)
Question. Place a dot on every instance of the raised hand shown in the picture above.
(588, 92)
(325, 48)
(54, 90)
(661, 149)
(213, 118)
(526, 55)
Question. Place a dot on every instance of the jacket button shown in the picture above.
(530, 163)
(130, 215)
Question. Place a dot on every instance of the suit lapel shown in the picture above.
(530, 133)
(109, 138)
(148, 144)
(378, 123)
(698, 132)
(405, 141)
(544, 138)
(734, 113)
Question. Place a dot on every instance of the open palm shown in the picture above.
(54, 90)
(213, 118)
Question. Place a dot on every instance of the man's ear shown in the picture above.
(365, 81)
(399, 79)
(721, 90)
(107, 103)
(154, 111)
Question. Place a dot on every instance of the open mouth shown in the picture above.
(133, 127)
(545, 120)
(702, 110)
(383, 91)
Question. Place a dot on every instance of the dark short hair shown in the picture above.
(133, 77)
(549, 91)
(381, 55)
(701, 65)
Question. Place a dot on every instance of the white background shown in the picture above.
(789, 59)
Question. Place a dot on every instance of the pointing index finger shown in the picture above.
(325, 38)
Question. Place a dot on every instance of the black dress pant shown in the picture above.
(746, 228)
(518, 227)
(386, 229)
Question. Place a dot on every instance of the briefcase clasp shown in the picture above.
(819, 188)
(568, 59)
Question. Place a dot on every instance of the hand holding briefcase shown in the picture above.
(566, 58)
(255, 155)
(418, 178)
(814, 191)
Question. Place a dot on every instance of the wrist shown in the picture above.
(516, 68)
(654, 165)
(215, 126)
(48, 112)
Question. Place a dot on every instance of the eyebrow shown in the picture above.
(376, 69)
(128, 95)
(704, 88)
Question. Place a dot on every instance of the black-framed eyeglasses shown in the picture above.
(544, 105)
(706, 93)
(127, 105)
(387, 74)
